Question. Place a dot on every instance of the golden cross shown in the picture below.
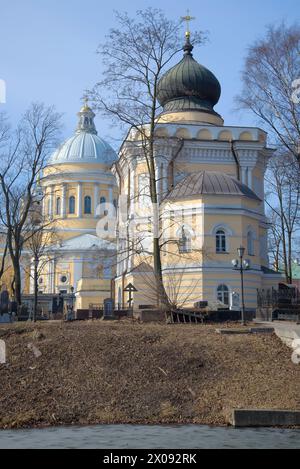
(85, 99)
(187, 19)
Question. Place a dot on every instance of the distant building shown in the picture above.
(79, 189)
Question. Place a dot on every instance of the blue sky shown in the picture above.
(47, 48)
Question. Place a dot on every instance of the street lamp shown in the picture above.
(241, 265)
(70, 307)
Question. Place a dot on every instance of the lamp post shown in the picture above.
(70, 308)
(241, 265)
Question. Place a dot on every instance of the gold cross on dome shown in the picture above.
(187, 19)
(85, 100)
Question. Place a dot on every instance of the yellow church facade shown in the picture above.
(210, 185)
(78, 191)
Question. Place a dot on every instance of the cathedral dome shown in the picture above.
(188, 86)
(85, 146)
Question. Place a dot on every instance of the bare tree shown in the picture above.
(40, 239)
(283, 201)
(271, 85)
(135, 55)
(22, 158)
(275, 240)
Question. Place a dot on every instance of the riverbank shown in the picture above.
(85, 373)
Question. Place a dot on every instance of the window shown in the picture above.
(103, 210)
(250, 243)
(107, 272)
(184, 242)
(58, 206)
(72, 205)
(220, 241)
(115, 203)
(223, 294)
(63, 279)
(87, 204)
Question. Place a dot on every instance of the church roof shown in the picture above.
(188, 86)
(85, 146)
(210, 183)
(86, 242)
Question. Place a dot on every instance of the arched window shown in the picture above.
(87, 204)
(72, 204)
(58, 206)
(223, 294)
(103, 209)
(184, 241)
(221, 241)
(250, 243)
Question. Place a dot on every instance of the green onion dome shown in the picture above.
(188, 86)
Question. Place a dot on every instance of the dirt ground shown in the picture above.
(123, 372)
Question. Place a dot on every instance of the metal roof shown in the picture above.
(188, 85)
(85, 146)
(210, 183)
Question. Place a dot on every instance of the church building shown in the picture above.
(210, 184)
(79, 190)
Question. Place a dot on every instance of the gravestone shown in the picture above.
(2, 352)
(4, 302)
(108, 308)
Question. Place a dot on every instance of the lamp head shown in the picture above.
(241, 251)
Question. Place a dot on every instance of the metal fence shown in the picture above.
(278, 298)
(282, 304)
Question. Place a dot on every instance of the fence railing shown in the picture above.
(277, 298)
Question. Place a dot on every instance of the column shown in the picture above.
(110, 200)
(244, 175)
(132, 191)
(158, 180)
(51, 276)
(44, 206)
(164, 180)
(96, 200)
(51, 202)
(63, 201)
(250, 178)
(79, 200)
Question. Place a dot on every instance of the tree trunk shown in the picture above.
(17, 283)
(290, 260)
(35, 283)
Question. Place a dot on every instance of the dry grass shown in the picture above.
(97, 372)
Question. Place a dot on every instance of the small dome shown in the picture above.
(210, 183)
(85, 146)
(188, 86)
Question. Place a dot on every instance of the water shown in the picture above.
(142, 436)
